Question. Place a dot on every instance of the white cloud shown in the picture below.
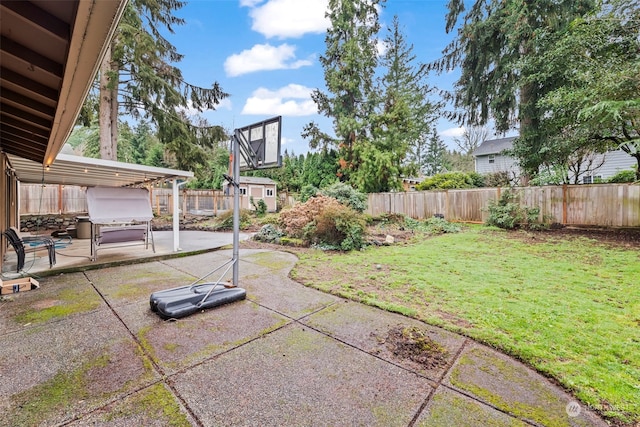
(225, 104)
(453, 132)
(289, 18)
(264, 57)
(291, 100)
(381, 47)
(191, 111)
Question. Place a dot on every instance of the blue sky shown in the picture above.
(265, 53)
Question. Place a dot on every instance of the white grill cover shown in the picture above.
(117, 205)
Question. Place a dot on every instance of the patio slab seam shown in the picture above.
(164, 377)
(438, 383)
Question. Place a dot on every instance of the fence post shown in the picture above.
(564, 204)
(184, 203)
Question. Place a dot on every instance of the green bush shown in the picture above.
(307, 192)
(507, 213)
(340, 226)
(260, 207)
(628, 175)
(346, 195)
(268, 233)
(224, 221)
(478, 180)
(433, 225)
(324, 221)
(448, 180)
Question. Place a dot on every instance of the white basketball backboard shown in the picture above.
(260, 145)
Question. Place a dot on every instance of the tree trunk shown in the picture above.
(108, 110)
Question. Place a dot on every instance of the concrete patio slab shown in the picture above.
(180, 344)
(368, 329)
(153, 406)
(449, 408)
(510, 386)
(85, 349)
(56, 371)
(297, 376)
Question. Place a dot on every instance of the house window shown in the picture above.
(587, 180)
(492, 158)
(269, 192)
(243, 191)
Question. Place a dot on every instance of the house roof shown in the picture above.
(494, 146)
(50, 52)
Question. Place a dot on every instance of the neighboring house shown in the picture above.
(611, 163)
(490, 158)
(409, 184)
(256, 187)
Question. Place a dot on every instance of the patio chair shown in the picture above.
(34, 244)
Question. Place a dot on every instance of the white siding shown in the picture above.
(615, 161)
(500, 164)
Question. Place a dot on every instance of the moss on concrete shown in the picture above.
(155, 402)
(53, 397)
(449, 410)
(79, 299)
(545, 408)
(271, 260)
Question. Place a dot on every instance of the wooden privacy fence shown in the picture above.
(64, 199)
(610, 205)
(67, 199)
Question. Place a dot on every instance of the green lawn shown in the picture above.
(568, 307)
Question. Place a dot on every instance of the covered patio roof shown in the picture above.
(50, 52)
(88, 172)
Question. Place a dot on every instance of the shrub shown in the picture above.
(628, 175)
(507, 213)
(477, 179)
(497, 179)
(433, 225)
(294, 220)
(260, 207)
(448, 180)
(346, 195)
(224, 221)
(340, 226)
(324, 221)
(307, 192)
(268, 233)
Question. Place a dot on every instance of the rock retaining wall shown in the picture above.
(47, 223)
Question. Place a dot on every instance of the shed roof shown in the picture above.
(256, 180)
(494, 146)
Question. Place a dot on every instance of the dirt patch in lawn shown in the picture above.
(625, 238)
(412, 343)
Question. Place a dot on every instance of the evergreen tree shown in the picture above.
(596, 104)
(137, 78)
(407, 112)
(349, 65)
(491, 42)
(416, 158)
(435, 160)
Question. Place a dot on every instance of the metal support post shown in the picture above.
(236, 210)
